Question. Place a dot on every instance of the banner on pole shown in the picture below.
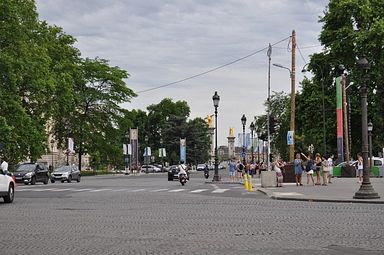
(183, 150)
(290, 139)
(70, 145)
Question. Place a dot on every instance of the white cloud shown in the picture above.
(159, 42)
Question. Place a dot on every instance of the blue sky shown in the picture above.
(159, 42)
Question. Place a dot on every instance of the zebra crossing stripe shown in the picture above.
(176, 190)
(158, 190)
(98, 190)
(198, 190)
(137, 190)
(82, 190)
(219, 190)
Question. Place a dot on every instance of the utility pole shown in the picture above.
(269, 53)
(346, 142)
(293, 95)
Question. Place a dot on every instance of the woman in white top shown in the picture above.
(360, 168)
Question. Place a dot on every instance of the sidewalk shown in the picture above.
(340, 190)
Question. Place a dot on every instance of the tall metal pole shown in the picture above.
(293, 97)
(366, 190)
(269, 53)
(244, 155)
(216, 175)
(346, 142)
(253, 158)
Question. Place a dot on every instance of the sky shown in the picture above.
(162, 42)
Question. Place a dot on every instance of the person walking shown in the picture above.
(309, 168)
(298, 169)
(239, 169)
(360, 168)
(318, 168)
(232, 169)
(330, 168)
(325, 170)
(277, 167)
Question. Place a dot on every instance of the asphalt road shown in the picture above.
(148, 215)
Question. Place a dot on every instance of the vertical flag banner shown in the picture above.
(183, 150)
(339, 119)
(134, 146)
(70, 145)
(290, 138)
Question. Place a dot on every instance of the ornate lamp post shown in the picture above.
(243, 122)
(370, 128)
(146, 154)
(366, 190)
(161, 153)
(52, 143)
(126, 136)
(252, 127)
(216, 99)
(258, 145)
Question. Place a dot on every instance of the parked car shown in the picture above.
(173, 173)
(7, 187)
(32, 173)
(66, 173)
(150, 168)
(200, 167)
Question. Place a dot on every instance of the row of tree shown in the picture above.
(351, 29)
(48, 90)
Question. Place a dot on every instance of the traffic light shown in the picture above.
(272, 125)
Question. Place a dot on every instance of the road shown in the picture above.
(146, 214)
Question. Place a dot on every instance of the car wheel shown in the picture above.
(78, 179)
(46, 180)
(170, 178)
(33, 181)
(69, 179)
(11, 194)
(62, 181)
(26, 183)
(52, 181)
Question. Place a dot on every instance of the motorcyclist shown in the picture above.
(182, 169)
(206, 171)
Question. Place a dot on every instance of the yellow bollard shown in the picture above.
(245, 182)
(250, 187)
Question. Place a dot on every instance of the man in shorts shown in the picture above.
(232, 173)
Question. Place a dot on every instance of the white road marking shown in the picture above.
(198, 190)
(98, 190)
(176, 190)
(119, 190)
(137, 190)
(61, 189)
(219, 190)
(158, 190)
(82, 190)
(287, 194)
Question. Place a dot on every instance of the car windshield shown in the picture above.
(62, 169)
(24, 168)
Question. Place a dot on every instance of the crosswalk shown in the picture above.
(215, 190)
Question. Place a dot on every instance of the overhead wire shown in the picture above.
(211, 70)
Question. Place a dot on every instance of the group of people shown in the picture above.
(320, 165)
(238, 169)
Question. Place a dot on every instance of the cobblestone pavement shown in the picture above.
(147, 218)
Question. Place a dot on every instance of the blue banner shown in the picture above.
(183, 150)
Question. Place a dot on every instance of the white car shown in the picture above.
(7, 187)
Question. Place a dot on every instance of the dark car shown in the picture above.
(31, 173)
(173, 172)
(66, 173)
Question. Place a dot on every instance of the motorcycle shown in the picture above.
(183, 179)
(206, 174)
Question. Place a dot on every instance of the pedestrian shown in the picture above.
(318, 168)
(360, 168)
(309, 168)
(325, 170)
(232, 170)
(239, 169)
(277, 167)
(298, 169)
(330, 168)
(4, 166)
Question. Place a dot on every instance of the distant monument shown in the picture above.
(211, 130)
(231, 143)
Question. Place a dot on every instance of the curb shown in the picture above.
(272, 195)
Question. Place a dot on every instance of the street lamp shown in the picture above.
(243, 122)
(258, 146)
(252, 127)
(293, 99)
(370, 128)
(146, 154)
(161, 153)
(216, 99)
(52, 143)
(126, 136)
(323, 106)
(366, 190)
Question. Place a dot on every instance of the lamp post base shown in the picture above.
(366, 191)
(216, 177)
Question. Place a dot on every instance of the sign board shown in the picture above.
(147, 151)
(125, 147)
(290, 140)
(70, 145)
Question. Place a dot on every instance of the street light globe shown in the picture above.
(216, 99)
(370, 126)
(252, 126)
